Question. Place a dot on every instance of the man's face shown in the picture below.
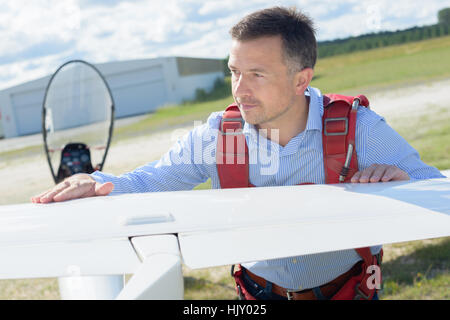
(261, 84)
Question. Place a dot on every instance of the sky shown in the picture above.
(38, 36)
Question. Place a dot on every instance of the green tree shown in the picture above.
(386, 38)
(444, 16)
(226, 71)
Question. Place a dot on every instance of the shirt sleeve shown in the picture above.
(187, 164)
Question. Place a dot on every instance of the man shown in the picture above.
(271, 60)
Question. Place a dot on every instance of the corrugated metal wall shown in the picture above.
(27, 108)
(138, 91)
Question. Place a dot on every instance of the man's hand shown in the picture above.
(380, 172)
(74, 187)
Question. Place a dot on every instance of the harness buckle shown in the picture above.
(336, 133)
(379, 259)
(359, 294)
(289, 294)
(240, 293)
(355, 103)
(234, 133)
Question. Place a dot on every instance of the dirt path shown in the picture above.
(21, 179)
(413, 100)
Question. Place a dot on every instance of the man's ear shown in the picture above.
(302, 80)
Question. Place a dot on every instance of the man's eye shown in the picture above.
(258, 75)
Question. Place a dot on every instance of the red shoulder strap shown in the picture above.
(232, 151)
(338, 136)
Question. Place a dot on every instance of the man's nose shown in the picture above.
(242, 87)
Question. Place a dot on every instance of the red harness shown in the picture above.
(340, 163)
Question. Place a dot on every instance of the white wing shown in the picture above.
(217, 227)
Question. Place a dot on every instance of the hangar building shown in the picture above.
(138, 87)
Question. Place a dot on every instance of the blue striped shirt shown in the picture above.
(191, 161)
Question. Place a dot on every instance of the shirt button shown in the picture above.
(294, 260)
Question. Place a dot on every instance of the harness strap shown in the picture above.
(232, 150)
(362, 290)
(338, 136)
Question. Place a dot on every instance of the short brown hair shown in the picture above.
(295, 28)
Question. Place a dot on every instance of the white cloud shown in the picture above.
(221, 6)
(30, 30)
(210, 7)
(22, 71)
(123, 31)
(38, 20)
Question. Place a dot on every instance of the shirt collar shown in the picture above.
(315, 109)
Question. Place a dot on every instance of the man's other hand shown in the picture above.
(380, 172)
(77, 186)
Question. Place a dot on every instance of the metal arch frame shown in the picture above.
(111, 125)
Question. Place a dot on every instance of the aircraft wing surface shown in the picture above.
(217, 227)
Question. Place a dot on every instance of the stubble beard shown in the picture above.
(258, 116)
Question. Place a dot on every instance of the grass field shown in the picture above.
(385, 67)
(429, 134)
(413, 270)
